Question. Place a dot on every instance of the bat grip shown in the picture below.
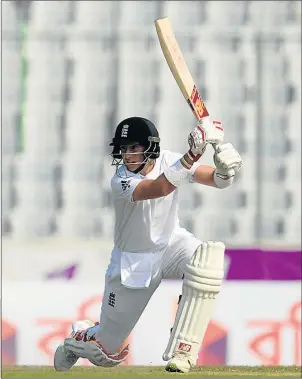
(215, 145)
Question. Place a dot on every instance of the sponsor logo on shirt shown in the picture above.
(125, 184)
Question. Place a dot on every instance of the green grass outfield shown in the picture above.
(152, 372)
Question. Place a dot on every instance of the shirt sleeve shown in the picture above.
(123, 188)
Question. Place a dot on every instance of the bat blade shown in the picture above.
(179, 68)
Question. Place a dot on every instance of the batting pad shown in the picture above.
(202, 282)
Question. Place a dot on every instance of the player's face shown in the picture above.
(132, 156)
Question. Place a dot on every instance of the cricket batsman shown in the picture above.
(150, 245)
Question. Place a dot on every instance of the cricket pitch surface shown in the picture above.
(152, 372)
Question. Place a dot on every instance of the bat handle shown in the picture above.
(215, 145)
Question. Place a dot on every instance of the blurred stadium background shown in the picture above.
(71, 70)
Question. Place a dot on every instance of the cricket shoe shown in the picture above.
(64, 359)
(181, 362)
(85, 345)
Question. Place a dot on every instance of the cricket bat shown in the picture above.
(179, 68)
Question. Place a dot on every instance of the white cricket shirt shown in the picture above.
(147, 225)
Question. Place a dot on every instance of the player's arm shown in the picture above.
(180, 171)
(204, 175)
(227, 161)
(166, 182)
(153, 189)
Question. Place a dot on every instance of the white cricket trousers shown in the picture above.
(123, 306)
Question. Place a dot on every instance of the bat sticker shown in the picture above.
(197, 105)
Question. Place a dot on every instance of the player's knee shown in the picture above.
(205, 270)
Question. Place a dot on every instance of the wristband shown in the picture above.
(193, 157)
(222, 180)
(177, 173)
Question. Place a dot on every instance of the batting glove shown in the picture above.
(206, 132)
(227, 160)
